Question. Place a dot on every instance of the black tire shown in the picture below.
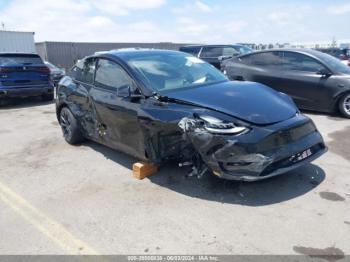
(344, 105)
(48, 97)
(70, 128)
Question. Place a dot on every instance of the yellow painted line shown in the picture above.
(50, 228)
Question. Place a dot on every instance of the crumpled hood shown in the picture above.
(249, 101)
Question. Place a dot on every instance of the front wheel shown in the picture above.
(70, 128)
(344, 105)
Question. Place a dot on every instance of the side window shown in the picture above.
(191, 50)
(300, 62)
(229, 51)
(211, 51)
(84, 70)
(266, 59)
(77, 70)
(88, 71)
(112, 76)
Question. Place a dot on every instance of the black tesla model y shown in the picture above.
(164, 105)
(316, 81)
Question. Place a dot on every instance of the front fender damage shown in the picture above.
(222, 152)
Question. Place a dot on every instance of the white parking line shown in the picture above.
(50, 228)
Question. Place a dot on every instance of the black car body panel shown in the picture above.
(243, 100)
(303, 74)
(169, 125)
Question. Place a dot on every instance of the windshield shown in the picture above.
(171, 71)
(334, 63)
(14, 59)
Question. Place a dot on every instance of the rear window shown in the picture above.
(13, 59)
(217, 51)
(193, 50)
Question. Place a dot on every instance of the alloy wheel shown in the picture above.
(346, 104)
(65, 124)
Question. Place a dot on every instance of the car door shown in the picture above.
(82, 75)
(264, 67)
(117, 114)
(301, 79)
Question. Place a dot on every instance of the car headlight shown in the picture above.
(217, 126)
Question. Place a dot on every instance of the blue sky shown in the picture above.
(200, 21)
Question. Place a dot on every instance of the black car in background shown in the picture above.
(24, 75)
(315, 80)
(55, 72)
(214, 54)
(340, 53)
(159, 105)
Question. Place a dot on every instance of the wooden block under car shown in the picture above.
(142, 170)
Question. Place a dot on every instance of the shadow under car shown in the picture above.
(264, 192)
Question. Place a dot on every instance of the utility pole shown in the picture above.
(334, 42)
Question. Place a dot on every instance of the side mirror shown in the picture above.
(324, 72)
(125, 91)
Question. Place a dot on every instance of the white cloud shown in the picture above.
(203, 7)
(67, 20)
(188, 25)
(339, 9)
(235, 26)
(101, 21)
(125, 21)
(197, 7)
(122, 7)
(278, 16)
(145, 26)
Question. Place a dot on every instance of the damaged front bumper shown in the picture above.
(263, 152)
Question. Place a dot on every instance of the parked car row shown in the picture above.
(343, 54)
(315, 80)
(159, 105)
(25, 75)
(340, 53)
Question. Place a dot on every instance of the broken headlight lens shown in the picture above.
(217, 126)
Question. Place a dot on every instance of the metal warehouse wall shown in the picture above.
(13, 41)
(65, 54)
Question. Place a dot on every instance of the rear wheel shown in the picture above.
(344, 105)
(70, 128)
